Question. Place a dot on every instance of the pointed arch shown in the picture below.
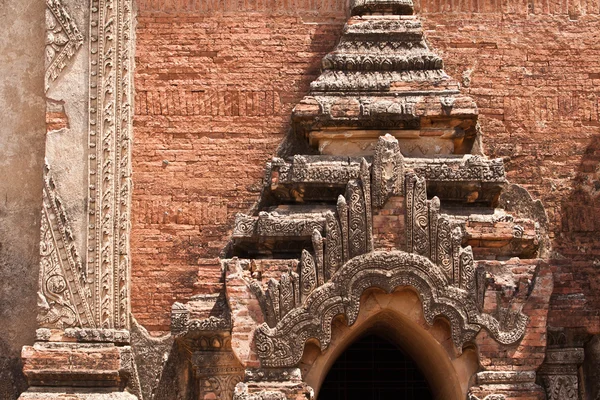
(398, 317)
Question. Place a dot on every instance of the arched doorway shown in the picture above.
(398, 318)
(374, 368)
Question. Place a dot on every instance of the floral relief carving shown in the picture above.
(63, 39)
(64, 282)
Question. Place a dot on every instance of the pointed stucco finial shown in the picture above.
(399, 7)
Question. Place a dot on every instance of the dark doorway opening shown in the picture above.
(373, 368)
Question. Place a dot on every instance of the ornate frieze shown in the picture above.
(275, 225)
(468, 168)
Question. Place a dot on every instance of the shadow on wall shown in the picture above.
(11, 377)
(580, 212)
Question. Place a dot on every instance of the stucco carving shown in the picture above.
(388, 170)
(92, 290)
(109, 167)
(65, 286)
(63, 39)
(241, 393)
(282, 345)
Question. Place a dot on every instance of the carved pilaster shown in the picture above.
(559, 373)
(109, 167)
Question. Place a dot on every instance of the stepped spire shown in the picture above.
(382, 76)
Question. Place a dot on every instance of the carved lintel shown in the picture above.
(505, 377)
(98, 335)
(310, 169)
(283, 226)
(342, 210)
(273, 375)
(470, 168)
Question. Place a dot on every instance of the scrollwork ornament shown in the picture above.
(357, 228)
(308, 274)
(333, 245)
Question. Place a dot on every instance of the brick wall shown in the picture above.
(216, 81)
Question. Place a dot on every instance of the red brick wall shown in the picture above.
(213, 101)
(216, 81)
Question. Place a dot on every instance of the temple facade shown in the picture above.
(316, 200)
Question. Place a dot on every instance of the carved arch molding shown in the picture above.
(283, 345)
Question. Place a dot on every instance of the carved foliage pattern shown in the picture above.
(63, 39)
(357, 227)
(64, 284)
(109, 159)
